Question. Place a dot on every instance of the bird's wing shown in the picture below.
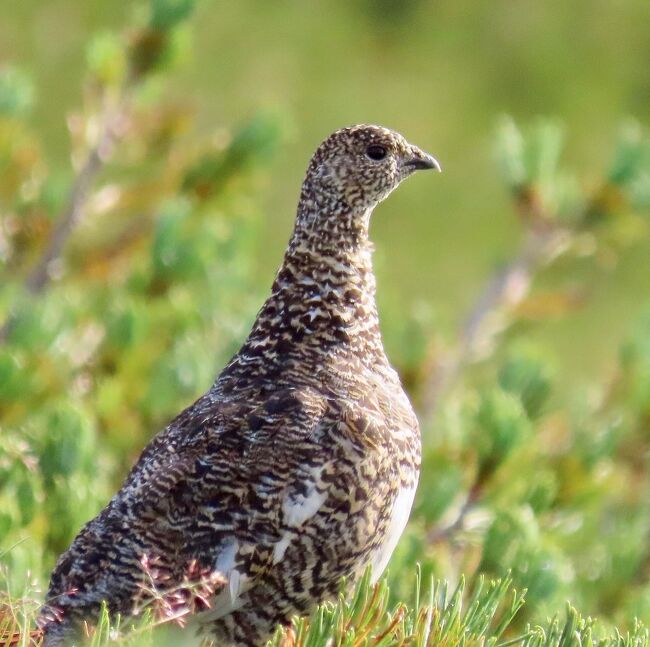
(217, 487)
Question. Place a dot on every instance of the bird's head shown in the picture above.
(359, 166)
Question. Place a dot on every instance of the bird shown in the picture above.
(298, 467)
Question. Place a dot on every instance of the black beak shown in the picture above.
(422, 161)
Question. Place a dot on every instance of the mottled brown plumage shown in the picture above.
(299, 465)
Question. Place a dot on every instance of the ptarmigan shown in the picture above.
(300, 464)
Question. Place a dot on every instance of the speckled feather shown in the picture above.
(299, 465)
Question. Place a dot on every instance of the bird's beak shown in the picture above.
(419, 160)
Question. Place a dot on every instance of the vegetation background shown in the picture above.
(150, 161)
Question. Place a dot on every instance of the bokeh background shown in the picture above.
(536, 454)
(443, 73)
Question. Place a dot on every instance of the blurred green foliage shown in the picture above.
(533, 469)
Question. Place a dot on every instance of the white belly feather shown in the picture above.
(399, 517)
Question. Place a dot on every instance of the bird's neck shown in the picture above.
(330, 246)
(325, 288)
(322, 309)
(329, 269)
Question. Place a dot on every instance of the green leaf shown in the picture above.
(632, 155)
(66, 442)
(253, 143)
(107, 58)
(510, 153)
(525, 374)
(167, 14)
(16, 92)
(502, 424)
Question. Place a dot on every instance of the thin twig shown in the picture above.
(437, 534)
(41, 274)
(488, 317)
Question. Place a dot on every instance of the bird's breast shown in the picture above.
(398, 517)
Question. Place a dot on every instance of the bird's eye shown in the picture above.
(376, 153)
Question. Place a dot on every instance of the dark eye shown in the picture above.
(376, 152)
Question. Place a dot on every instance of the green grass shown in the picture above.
(441, 617)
